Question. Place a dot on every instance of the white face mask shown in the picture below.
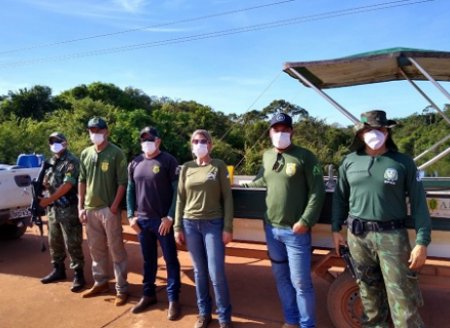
(281, 140)
(148, 147)
(200, 150)
(374, 139)
(56, 147)
(97, 138)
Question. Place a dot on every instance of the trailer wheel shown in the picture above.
(343, 302)
(11, 231)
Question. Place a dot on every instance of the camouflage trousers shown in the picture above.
(65, 232)
(386, 284)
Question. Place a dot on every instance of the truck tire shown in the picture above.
(343, 302)
(10, 231)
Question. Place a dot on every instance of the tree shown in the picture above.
(33, 103)
(282, 106)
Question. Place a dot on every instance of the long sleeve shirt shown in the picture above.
(295, 186)
(377, 189)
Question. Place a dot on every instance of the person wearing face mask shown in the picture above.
(64, 228)
(295, 194)
(371, 197)
(102, 185)
(204, 221)
(151, 199)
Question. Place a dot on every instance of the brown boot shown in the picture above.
(96, 290)
(121, 299)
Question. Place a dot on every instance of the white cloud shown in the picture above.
(110, 9)
(131, 5)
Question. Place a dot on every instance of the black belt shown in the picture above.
(358, 226)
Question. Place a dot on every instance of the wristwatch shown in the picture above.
(169, 218)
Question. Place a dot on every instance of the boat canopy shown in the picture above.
(372, 67)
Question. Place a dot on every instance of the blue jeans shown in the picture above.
(207, 250)
(291, 265)
(147, 237)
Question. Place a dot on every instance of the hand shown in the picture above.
(417, 257)
(44, 202)
(227, 237)
(165, 226)
(134, 225)
(338, 239)
(114, 209)
(82, 216)
(300, 228)
(179, 237)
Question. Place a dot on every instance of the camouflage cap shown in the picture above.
(374, 119)
(97, 122)
(57, 136)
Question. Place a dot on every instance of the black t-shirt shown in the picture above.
(153, 180)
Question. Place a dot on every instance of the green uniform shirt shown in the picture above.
(103, 173)
(295, 186)
(376, 188)
(204, 192)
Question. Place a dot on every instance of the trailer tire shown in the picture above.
(343, 302)
(11, 231)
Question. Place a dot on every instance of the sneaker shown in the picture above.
(203, 321)
(121, 299)
(174, 311)
(96, 290)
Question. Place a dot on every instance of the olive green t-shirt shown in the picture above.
(295, 186)
(204, 192)
(103, 173)
(377, 188)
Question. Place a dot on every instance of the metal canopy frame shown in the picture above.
(383, 66)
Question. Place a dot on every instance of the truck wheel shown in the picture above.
(343, 302)
(10, 231)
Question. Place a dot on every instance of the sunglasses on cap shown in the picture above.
(200, 141)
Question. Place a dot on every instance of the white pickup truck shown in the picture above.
(16, 195)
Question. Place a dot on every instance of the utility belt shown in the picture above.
(359, 226)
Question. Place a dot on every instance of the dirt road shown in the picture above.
(25, 302)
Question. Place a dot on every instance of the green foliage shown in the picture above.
(28, 116)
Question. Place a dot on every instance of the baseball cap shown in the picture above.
(57, 136)
(150, 131)
(97, 122)
(281, 118)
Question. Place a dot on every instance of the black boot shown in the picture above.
(58, 273)
(78, 281)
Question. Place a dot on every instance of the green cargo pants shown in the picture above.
(385, 281)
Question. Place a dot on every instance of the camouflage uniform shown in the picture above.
(64, 227)
(371, 195)
(383, 275)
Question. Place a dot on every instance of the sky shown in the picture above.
(226, 54)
